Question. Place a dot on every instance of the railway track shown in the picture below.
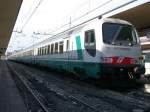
(32, 98)
(42, 95)
(88, 98)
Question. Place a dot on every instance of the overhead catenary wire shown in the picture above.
(30, 8)
(90, 11)
(71, 12)
(28, 19)
(92, 18)
(70, 21)
(66, 16)
(26, 15)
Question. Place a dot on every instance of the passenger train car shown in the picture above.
(100, 48)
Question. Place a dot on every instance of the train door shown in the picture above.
(90, 61)
(90, 45)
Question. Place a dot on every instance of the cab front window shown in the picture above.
(119, 34)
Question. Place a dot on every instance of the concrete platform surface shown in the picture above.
(10, 99)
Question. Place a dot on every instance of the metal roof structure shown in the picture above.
(9, 10)
(139, 16)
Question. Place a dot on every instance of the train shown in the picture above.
(102, 48)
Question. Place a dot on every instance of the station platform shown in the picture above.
(10, 99)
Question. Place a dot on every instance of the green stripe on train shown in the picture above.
(79, 49)
(91, 69)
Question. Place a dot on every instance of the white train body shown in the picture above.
(99, 48)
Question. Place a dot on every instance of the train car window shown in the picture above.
(48, 51)
(56, 47)
(89, 42)
(61, 44)
(44, 49)
(52, 48)
(89, 38)
(40, 51)
(67, 46)
(31, 52)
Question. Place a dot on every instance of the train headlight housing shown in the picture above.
(141, 59)
(133, 61)
(106, 59)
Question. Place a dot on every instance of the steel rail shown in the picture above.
(29, 89)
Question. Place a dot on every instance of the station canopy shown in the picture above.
(139, 16)
(9, 10)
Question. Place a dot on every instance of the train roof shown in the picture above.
(80, 26)
(115, 20)
(72, 29)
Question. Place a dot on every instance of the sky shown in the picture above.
(45, 16)
(49, 12)
(40, 16)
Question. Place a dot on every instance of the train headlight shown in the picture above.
(141, 58)
(106, 59)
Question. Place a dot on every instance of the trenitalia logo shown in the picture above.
(118, 60)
